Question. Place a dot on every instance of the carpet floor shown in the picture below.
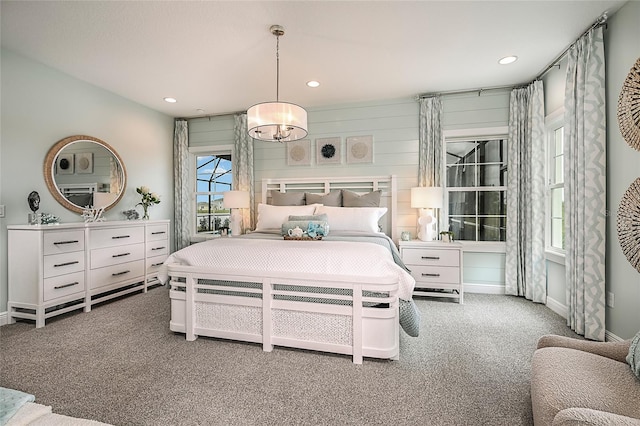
(121, 364)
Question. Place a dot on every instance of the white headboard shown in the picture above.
(357, 184)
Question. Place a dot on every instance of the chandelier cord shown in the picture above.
(277, 68)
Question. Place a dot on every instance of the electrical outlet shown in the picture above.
(610, 299)
(1, 210)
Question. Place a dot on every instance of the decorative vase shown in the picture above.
(145, 216)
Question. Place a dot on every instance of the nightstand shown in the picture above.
(436, 267)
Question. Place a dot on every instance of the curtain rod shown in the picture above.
(602, 20)
(479, 91)
(210, 116)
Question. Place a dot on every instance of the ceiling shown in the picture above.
(218, 57)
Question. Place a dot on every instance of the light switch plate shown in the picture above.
(1, 210)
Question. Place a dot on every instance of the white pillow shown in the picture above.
(272, 217)
(363, 219)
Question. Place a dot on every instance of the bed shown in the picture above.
(344, 292)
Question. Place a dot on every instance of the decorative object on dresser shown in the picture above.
(148, 199)
(629, 107)
(628, 224)
(131, 214)
(426, 198)
(90, 214)
(234, 200)
(34, 204)
(436, 267)
(53, 270)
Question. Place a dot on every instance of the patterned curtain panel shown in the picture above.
(181, 176)
(430, 145)
(585, 185)
(525, 268)
(243, 168)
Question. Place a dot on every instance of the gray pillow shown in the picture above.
(370, 199)
(634, 355)
(333, 198)
(287, 198)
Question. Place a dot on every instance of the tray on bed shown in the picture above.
(305, 238)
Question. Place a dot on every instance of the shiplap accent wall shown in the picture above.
(394, 127)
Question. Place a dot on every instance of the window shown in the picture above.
(213, 176)
(555, 179)
(476, 186)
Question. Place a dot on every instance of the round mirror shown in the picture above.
(83, 171)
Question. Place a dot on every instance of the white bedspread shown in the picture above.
(318, 257)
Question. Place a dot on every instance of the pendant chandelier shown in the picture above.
(277, 121)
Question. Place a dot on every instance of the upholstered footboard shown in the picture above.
(345, 315)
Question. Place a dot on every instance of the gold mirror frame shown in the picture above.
(50, 163)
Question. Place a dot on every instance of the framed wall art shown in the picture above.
(298, 153)
(328, 151)
(360, 149)
(84, 163)
(64, 164)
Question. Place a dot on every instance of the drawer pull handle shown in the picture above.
(58, 287)
(157, 248)
(121, 254)
(120, 273)
(117, 237)
(66, 264)
(66, 242)
(157, 264)
(431, 257)
(430, 275)
(158, 233)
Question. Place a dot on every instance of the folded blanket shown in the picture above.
(10, 402)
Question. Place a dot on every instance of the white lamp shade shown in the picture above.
(426, 197)
(236, 200)
(277, 122)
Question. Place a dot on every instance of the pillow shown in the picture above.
(333, 198)
(362, 219)
(352, 199)
(311, 228)
(320, 217)
(287, 198)
(634, 355)
(272, 217)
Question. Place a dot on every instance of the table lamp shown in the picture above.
(234, 200)
(426, 198)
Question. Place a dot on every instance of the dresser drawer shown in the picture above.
(115, 255)
(153, 263)
(435, 274)
(63, 263)
(158, 232)
(427, 256)
(63, 285)
(108, 275)
(100, 238)
(63, 242)
(156, 248)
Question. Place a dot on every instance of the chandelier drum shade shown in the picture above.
(277, 121)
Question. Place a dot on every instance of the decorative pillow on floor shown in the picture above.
(634, 355)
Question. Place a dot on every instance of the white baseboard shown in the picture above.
(483, 288)
(3, 318)
(557, 307)
(610, 337)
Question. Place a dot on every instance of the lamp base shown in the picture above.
(426, 223)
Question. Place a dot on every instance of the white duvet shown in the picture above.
(318, 257)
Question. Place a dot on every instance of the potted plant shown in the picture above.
(446, 236)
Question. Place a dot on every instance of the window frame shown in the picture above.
(474, 134)
(552, 122)
(194, 153)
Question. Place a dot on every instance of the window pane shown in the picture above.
(492, 203)
(461, 152)
(491, 175)
(558, 169)
(494, 151)
(557, 202)
(461, 176)
(492, 228)
(557, 233)
(462, 203)
(463, 227)
(558, 137)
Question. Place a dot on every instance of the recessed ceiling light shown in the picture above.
(170, 100)
(508, 60)
(313, 83)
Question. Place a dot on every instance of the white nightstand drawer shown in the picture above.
(63, 263)
(156, 248)
(429, 256)
(435, 274)
(117, 273)
(63, 242)
(153, 263)
(158, 232)
(116, 255)
(63, 285)
(116, 236)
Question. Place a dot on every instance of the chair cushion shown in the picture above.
(565, 378)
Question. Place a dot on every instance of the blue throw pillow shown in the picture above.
(634, 355)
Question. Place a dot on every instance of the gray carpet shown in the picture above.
(120, 364)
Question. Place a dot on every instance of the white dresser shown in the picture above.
(436, 267)
(55, 269)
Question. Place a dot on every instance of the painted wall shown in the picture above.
(41, 106)
(623, 167)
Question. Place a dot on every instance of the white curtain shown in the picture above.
(243, 168)
(525, 268)
(182, 228)
(585, 185)
(430, 152)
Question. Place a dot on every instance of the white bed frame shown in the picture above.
(357, 330)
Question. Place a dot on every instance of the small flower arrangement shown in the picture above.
(148, 199)
(446, 236)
